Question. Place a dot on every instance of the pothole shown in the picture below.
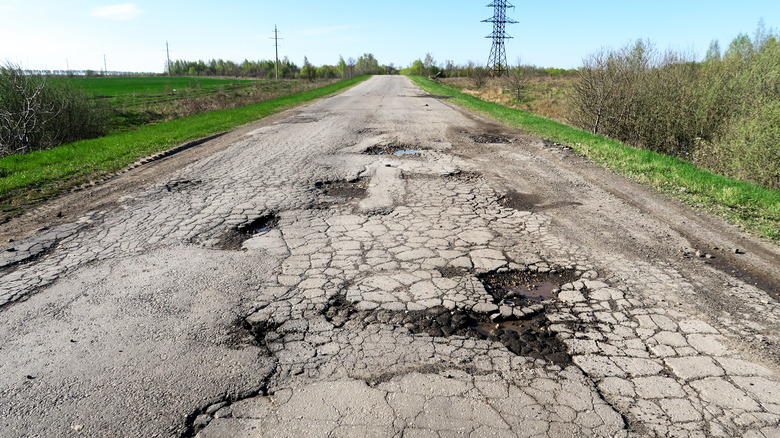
(392, 148)
(347, 189)
(516, 288)
(465, 175)
(490, 138)
(178, 185)
(526, 337)
(234, 239)
(452, 272)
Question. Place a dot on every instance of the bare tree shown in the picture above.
(479, 75)
(23, 110)
(517, 81)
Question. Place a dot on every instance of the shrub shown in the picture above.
(37, 115)
(722, 113)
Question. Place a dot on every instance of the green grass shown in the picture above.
(120, 86)
(27, 179)
(751, 206)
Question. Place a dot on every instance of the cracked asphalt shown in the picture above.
(301, 278)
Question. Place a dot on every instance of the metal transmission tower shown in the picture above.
(497, 60)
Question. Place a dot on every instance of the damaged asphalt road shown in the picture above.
(304, 279)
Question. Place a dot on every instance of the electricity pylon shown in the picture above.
(497, 59)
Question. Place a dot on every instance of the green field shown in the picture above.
(749, 205)
(120, 86)
(147, 94)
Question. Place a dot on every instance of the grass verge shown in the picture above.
(753, 207)
(27, 179)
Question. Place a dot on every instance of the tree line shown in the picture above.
(266, 69)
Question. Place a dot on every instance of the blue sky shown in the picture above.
(132, 33)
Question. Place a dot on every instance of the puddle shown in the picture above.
(408, 151)
(519, 288)
(348, 189)
(234, 239)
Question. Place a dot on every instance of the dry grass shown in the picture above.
(545, 96)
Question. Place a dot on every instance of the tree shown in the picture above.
(351, 67)
(367, 65)
(341, 67)
(308, 71)
(479, 76)
(517, 81)
(713, 52)
(428, 63)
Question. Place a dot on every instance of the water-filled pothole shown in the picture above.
(348, 189)
(234, 239)
(522, 287)
(392, 148)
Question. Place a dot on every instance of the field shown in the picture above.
(138, 101)
(152, 85)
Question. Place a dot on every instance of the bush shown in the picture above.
(37, 115)
(722, 113)
(749, 149)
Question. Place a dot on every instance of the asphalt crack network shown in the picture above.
(289, 284)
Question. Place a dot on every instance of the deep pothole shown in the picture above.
(234, 239)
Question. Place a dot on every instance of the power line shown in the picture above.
(497, 59)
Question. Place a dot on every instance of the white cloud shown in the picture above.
(125, 11)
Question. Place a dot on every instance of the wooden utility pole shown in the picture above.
(168, 54)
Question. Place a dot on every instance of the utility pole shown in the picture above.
(497, 58)
(105, 69)
(168, 54)
(276, 46)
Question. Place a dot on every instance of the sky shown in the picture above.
(131, 34)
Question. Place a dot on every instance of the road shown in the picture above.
(298, 277)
